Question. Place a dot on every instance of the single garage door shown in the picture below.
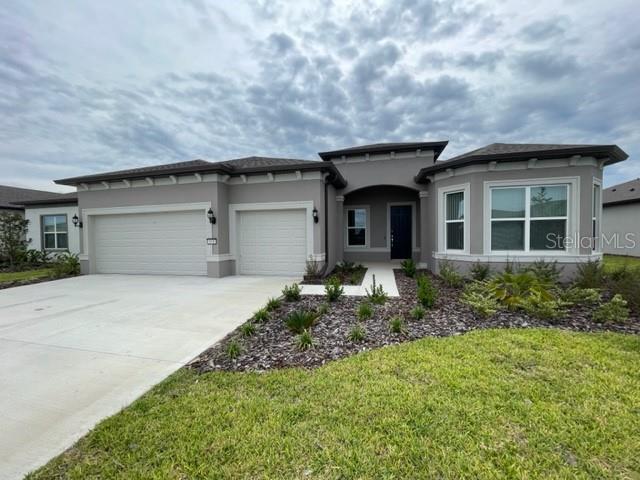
(167, 243)
(272, 242)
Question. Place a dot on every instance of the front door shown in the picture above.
(400, 222)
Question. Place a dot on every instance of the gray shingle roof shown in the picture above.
(63, 198)
(11, 197)
(437, 147)
(259, 162)
(627, 192)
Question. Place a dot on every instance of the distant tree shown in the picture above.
(13, 237)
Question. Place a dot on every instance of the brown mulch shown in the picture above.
(273, 345)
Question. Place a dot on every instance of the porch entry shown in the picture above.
(401, 234)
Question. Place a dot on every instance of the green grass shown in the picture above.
(612, 262)
(489, 404)
(25, 275)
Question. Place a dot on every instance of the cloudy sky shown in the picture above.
(97, 86)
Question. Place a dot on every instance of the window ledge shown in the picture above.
(514, 257)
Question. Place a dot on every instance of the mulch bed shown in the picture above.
(354, 277)
(273, 345)
(21, 283)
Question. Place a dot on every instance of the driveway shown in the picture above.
(75, 351)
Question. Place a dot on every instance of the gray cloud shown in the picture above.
(544, 29)
(546, 65)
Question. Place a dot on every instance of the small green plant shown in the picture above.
(450, 275)
(65, 264)
(376, 295)
(427, 293)
(365, 311)
(273, 304)
(247, 329)
(547, 272)
(418, 312)
(396, 325)
(291, 293)
(613, 311)
(581, 296)
(233, 349)
(333, 289)
(304, 341)
(409, 267)
(538, 305)
(312, 267)
(480, 301)
(512, 289)
(626, 282)
(322, 309)
(300, 320)
(357, 334)
(590, 275)
(261, 315)
(480, 271)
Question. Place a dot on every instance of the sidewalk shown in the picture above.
(384, 276)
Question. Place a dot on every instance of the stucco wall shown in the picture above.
(621, 229)
(35, 225)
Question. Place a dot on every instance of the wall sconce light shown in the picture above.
(315, 215)
(76, 221)
(211, 217)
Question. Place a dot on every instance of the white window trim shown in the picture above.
(573, 216)
(442, 205)
(55, 232)
(367, 231)
(598, 218)
(414, 236)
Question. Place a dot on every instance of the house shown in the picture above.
(621, 219)
(380, 202)
(11, 198)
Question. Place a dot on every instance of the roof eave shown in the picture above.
(437, 147)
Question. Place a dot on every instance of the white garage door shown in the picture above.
(272, 242)
(167, 243)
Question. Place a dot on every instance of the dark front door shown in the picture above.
(400, 231)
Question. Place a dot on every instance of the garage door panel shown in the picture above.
(167, 243)
(272, 242)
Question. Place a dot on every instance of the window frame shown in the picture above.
(366, 209)
(447, 221)
(55, 232)
(527, 219)
(465, 189)
(596, 216)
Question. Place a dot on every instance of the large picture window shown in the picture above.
(54, 232)
(454, 221)
(531, 218)
(357, 227)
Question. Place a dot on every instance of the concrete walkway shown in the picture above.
(75, 351)
(384, 276)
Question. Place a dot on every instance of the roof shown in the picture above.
(246, 165)
(13, 197)
(64, 198)
(627, 192)
(511, 152)
(382, 148)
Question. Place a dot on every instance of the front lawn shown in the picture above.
(613, 262)
(537, 403)
(26, 275)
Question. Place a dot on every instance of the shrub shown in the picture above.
(300, 320)
(312, 267)
(333, 289)
(512, 289)
(546, 272)
(261, 315)
(13, 234)
(32, 258)
(613, 311)
(427, 293)
(322, 309)
(304, 341)
(65, 264)
(396, 324)
(345, 267)
(409, 267)
(450, 275)
(273, 304)
(626, 282)
(417, 312)
(578, 296)
(539, 306)
(480, 271)
(477, 296)
(590, 275)
(376, 295)
(233, 349)
(291, 293)
(357, 334)
(349, 272)
(365, 311)
(247, 329)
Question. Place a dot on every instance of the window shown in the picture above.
(531, 218)
(595, 217)
(454, 221)
(357, 227)
(54, 231)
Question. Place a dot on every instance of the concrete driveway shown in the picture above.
(75, 351)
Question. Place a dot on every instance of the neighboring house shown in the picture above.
(621, 219)
(11, 198)
(51, 223)
(268, 216)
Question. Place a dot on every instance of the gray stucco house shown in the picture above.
(621, 219)
(268, 216)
